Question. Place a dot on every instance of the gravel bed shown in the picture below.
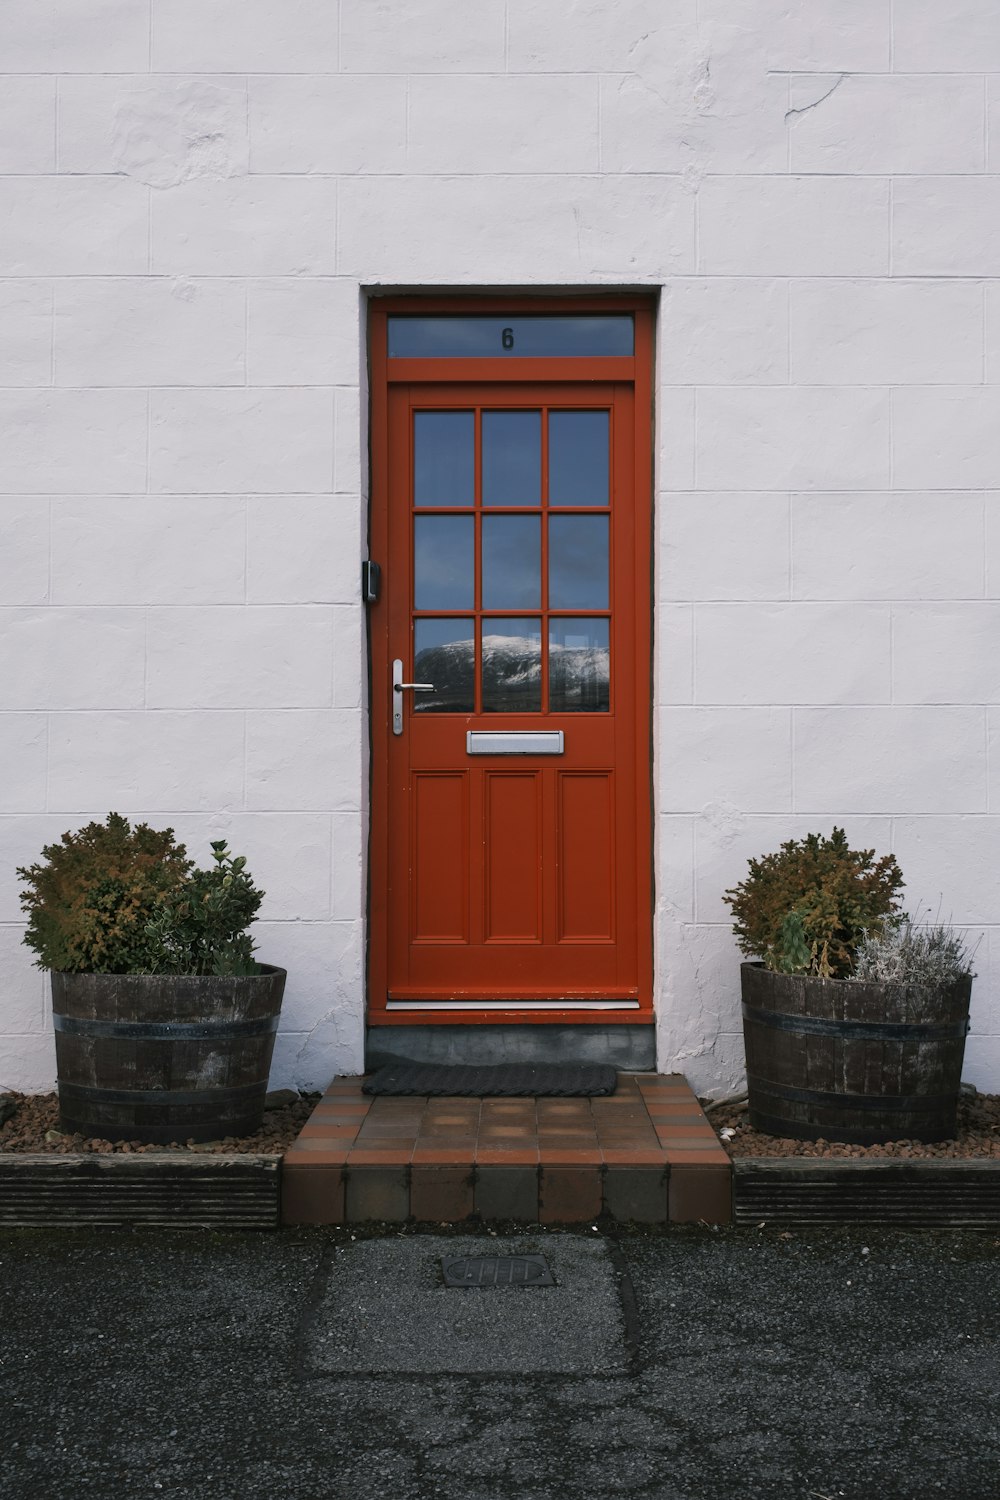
(978, 1135)
(31, 1123)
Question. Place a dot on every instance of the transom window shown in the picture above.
(530, 336)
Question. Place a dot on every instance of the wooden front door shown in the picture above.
(510, 691)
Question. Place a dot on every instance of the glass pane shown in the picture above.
(578, 562)
(512, 666)
(512, 562)
(512, 458)
(444, 458)
(578, 457)
(528, 337)
(444, 652)
(443, 562)
(579, 666)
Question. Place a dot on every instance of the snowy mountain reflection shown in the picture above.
(512, 676)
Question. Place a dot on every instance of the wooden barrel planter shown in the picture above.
(852, 1060)
(164, 1057)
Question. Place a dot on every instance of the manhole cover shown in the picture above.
(496, 1270)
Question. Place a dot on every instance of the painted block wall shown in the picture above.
(196, 198)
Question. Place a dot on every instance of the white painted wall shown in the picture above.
(194, 196)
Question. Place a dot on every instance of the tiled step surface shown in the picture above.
(645, 1153)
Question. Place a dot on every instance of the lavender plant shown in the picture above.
(925, 955)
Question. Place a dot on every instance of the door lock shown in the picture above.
(371, 582)
(399, 687)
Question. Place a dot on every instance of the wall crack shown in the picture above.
(805, 108)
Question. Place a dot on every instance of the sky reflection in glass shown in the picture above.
(444, 457)
(578, 562)
(443, 562)
(512, 562)
(512, 457)
(579, 454)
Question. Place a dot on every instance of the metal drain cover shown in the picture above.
(496, 1270)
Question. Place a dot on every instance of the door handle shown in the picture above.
(398, 688)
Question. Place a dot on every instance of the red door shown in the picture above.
(510, 695)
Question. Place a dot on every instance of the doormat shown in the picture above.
(499, 1081)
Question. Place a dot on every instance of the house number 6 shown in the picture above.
(507, 338)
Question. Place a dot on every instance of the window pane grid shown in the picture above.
(549, 656)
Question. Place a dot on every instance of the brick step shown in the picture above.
(645, 1154)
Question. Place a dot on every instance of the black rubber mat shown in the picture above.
(502, 1080)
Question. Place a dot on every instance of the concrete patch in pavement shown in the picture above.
(384, 1308)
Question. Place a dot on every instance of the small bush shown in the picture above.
(201, 928)
(113, 899)
(806, 909)
(927, 955)
(89, 903)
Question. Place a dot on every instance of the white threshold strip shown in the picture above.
(567, 1004)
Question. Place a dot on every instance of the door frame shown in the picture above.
(636, 370)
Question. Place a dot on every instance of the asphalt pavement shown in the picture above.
(687, 1365)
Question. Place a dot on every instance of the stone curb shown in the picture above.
(157, 1188)
(243, 1191)
(931, 1194)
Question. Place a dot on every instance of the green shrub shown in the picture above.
(113, 899)
(201, 928)
(806, 909)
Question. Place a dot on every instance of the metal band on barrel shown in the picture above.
(852, 1101)
(217, 1098)
(166, 1031)
(859, 1031)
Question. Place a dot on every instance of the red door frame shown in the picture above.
(635, 370)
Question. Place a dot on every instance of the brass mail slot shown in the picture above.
(515, 742)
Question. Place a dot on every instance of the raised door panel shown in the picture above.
(512, 842)
(439, 886)
(586, 857)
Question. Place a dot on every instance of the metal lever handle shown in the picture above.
(398, 688)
